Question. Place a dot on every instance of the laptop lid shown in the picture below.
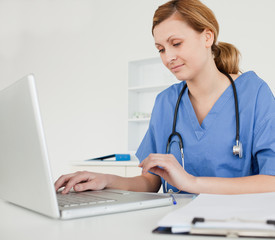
(25, 176)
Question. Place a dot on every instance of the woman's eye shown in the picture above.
(176, 44)
(161, 50)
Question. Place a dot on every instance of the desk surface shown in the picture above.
(19, 223)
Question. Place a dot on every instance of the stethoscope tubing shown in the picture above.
(175, 133)
(236, 106)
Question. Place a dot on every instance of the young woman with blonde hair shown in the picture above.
(222, 121)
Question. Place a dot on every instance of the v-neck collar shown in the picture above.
(200, 130)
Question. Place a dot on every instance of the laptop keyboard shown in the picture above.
(73, 199)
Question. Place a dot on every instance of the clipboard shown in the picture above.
(217, 228)
(232, 233)
(233, 228)
(207, 215)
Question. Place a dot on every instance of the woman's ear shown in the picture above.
(209, 38)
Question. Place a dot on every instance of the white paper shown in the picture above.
(241, 209)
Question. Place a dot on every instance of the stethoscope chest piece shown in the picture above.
(238, 149)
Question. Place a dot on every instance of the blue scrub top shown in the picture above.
(208, 147)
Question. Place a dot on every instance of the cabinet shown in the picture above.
(120, 168)
(146, 79)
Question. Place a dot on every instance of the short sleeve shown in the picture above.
(148, 144)
(264, 131)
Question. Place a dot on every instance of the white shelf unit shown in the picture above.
(147, 78)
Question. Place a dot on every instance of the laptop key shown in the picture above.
(81, 199)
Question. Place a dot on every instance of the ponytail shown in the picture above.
(226, 57)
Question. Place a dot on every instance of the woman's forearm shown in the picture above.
(147, 183)
(241, 185)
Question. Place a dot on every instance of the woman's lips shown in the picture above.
(177, 67)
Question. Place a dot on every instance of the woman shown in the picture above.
(185, 34)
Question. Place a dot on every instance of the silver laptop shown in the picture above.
(25, 175)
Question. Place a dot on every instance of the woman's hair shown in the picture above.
(200, 17)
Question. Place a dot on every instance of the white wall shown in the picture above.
(249, 25)
(79, 52)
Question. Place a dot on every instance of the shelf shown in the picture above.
(139, 120)
(147, 78)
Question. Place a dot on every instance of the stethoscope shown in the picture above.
(237, 149)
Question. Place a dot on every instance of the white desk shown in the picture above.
(18, 223)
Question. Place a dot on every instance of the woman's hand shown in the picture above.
(166, 166)
(81, 181)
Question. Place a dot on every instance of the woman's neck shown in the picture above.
(205, 89)
(208, 84)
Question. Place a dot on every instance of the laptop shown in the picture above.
(25, 174)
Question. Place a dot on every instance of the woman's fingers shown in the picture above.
(70, 180)
(82, 186)
(81, 181)
(97, 183)
(156, 163)
(158, 171)
(62, 181)
(167, 167)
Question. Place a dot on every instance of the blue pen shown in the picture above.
(174, 200)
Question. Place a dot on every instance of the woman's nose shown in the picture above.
(170, 56)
